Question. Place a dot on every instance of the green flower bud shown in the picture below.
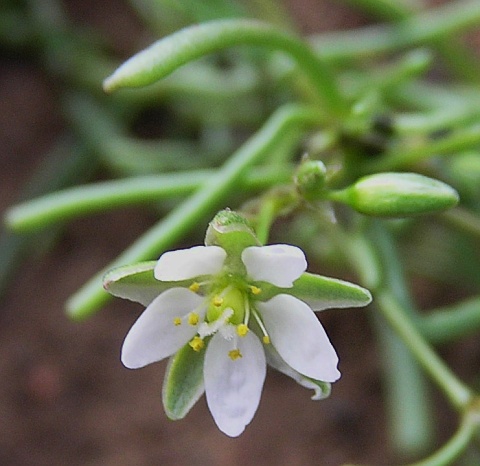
(310, 179)
(397, 195)
(230, 231)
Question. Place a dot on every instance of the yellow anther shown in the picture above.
(177, 321)
(193, 318)
(194, 287)
(266, 339)
(242, 330)
(217, 301)
(234, 354)
(196, 343)
(255, 290)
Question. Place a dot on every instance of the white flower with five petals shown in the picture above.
(222, 314)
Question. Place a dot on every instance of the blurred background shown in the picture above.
(65, 398)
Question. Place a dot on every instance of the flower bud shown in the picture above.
(230, 231)
(397, 195)
(310, 179)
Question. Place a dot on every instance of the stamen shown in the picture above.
(242, 330)
(255, 290)
(246, 318)
(217, 301)
(197, 344)
(177, 321)
(266, 338)
(195, 286)
(234, 354)
(193, 318)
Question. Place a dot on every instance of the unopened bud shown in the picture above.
(310, 179)
(231, 231)
(397, 195)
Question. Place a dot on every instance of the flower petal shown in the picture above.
(233, 387)
(321, 389)
(279, 264)
(154, 336)
(184, 264)
(299, 337)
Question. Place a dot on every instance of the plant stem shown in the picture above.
(426, 27)
(82, 200)
(204, 202)
(461, 139)
(408, 400)
(456, 391)
(458, 57)
(393, 300)
(58, 171)
(463, 219)
(452, 322)
(265, 218)
(457, 444)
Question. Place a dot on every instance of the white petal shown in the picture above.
(321, 389)
(154, 335)
(299, 337)
(233, 387)
(278, 264)
(184, 264)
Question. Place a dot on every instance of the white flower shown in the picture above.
(222, 310)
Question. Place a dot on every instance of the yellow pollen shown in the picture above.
(196, 343)
(193, 318)
(242, 330)
(255, 289)
(266, 339)
(194, 287)
(217, 301)
(234, 354)
(177, 321)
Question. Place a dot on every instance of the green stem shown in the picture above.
(57, 172)
(460, 140)
(457, 444)
(408, 403)
(166, 55)
(394, 301)
(452, 322)
(392, 10)
(82, 200)
(423, 28)
(463, 219)
(408, 400)
(265, 219)
(455, 390)
(204, 202)
(459, 58)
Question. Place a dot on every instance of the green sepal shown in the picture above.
(322, 390)
(320, 292)
(183, 384)
(137, 283)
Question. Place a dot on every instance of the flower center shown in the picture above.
(228, 298)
